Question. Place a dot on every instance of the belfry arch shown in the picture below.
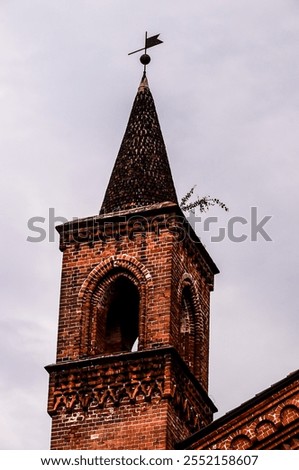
(112, 305)
(121, 316)
(192, 329)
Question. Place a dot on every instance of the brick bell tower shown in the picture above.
(133, 335)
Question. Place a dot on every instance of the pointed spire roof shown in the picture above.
(141, 175)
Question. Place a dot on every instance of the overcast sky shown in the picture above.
(226, 87)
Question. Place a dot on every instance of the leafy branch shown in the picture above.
(204, 203)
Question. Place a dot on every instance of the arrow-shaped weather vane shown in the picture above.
(149, 42)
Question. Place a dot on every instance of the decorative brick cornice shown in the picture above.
(111, 385)
(268, 427)
(193, 408)
(102, 228)
(264, 422)
(129, 378)
(128, 224)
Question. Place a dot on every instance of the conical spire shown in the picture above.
(141, 175)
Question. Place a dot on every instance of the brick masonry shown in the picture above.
(129, 407)
(268, 421)
(142, 400)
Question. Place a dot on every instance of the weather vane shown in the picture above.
(149, 42)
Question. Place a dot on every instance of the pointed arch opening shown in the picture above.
(193, 329)
(121, 316)
(116, 314)
(187, 327)
(112, 305)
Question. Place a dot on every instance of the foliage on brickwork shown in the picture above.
(203, 203)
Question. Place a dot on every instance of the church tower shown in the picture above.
(133, 336)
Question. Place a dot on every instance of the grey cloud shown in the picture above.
(226, 89)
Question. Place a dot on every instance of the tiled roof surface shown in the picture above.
(141, 175)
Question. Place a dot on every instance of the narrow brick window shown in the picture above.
(121, 329)
(187, 327)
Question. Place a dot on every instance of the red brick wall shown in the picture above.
(122, 428)
(268, 421)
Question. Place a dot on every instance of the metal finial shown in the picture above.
(149, 42)
(145, 59)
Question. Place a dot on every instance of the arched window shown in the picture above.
(121, 316)
(187, 327)
(112, 304)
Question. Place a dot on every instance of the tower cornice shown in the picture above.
(144, 220)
